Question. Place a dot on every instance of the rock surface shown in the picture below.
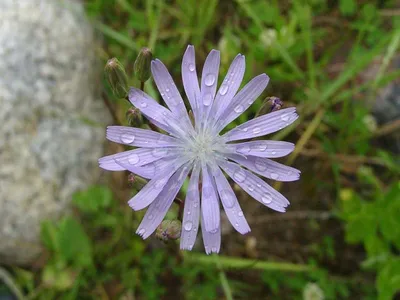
(48, 94)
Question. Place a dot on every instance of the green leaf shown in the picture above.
(347, 7)
(95, 198)
(388, 281)
(74, 244)
(48, 235)
(60, 279)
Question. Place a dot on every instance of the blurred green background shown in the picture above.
(340, 238)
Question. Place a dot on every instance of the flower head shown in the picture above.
(199, 149)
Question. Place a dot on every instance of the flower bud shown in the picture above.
(169, 230)
(313, 292)
(141, 67)
(116, 77)
(275, 103)
(136, 181)
(134, 117)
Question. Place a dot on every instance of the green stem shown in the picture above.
(223, 278)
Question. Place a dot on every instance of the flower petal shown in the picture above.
(243, 100)
(139, 137)
(229, 86)
(263, 125)
(136, 157)
(191, 214)
(158, 209)
(230, 202)
(169, 91)
(209, 202)
(151, 190)
(190, 81)
(255, 186)
(267, 168)
(211, 240)
(209, 81)
(270, 149)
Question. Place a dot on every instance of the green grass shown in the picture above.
(94, 253)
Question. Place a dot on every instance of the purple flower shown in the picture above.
(167, 159)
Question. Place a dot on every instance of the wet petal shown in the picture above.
(267, 168)
(169, 91)
(263, 125)
(139, 137)
(230, 202)
(209, 81)
(229, 86)
(211, 240)
(190, 81)
(270, 149)
(243, 100)
(191, 214)
(209, 202)
(158, 209)
(136, 157)
(153, 188)
(255, 187)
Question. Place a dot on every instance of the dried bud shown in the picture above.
(275, 102)
(313, 292)
(134, 117)
(136, 181)
(116, 77)
(142, 65)
(169, 230)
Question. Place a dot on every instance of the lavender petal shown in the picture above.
(211, 240)
(263, 125)
(191, 214)
(230, 202)
(255, 187)
(267, 168)
(209, 81)
(243, 100)
(209, 202)
(158, 209)
(139, 137)
(271, 149)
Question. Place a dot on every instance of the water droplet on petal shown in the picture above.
(245, 129)
(159, 152)
(188, 226)
(273, 152)
(191, 67)
(223, 89)
(209, 80)
(258, 185)
(227, 198)
(274, 176)
(251, 188)
(257, 130)
(285, 118)
(239, 109)
(266, 198)
(195, 204)
(127, 138)
(150, 217)
(261, 147)
(260, 165)
(133, 159)
(167, 90)
(239, 175)
(243, 149)
(240, 214)
(207, 99)
(143, 104)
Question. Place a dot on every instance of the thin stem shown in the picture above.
(9, 282)
(223, 278)
(111, 109)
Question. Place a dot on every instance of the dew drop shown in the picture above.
(258, 185)
(209, 80)
(223, 89)
(195, 204)
(237, 224)
(150, 217)
(159, 152)
(207, 99)
(274, 176)
(243, 149)
(240, 214)
(127, 138)
(266, 198)
(285, 118)
(261, 147)
(239, 109)
(133, 159)
(257, 130)
(273, 152)
(260, 165)
(188, 226)
(143, 104)
(142, 231)
(251, 188)
(167, 90)
(245, 129)
(191, 67)
(227, 198)
(239, 175)
(189, 212)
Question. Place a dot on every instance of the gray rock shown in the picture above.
(52, 118)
